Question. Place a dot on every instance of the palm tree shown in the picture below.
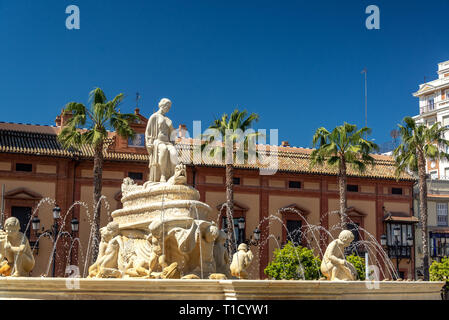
(344, 145)
(227, 127)
(103, 114)
(418, 143)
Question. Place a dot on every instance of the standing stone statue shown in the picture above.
(334, 266)
(158, 140)
(16, 256)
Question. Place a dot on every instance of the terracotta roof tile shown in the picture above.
(298, 160)
(42, 140)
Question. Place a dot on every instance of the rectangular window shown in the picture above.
(294, 184)
(26, 167)
(353, 247)
(433, 175)
(442, 214)
(445, 121)
(446, 173)
(396, 190)
(237, 234)
(135, 175)
(430, 104)
(352, 187)
(236, 180)
(398, 245)
(439, 245)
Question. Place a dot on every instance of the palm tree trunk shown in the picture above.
(422, 183)
(230, 203)
(342, 182)
(98, 175)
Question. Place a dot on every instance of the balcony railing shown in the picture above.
(440, 251)
(427, 108)
(399, 251)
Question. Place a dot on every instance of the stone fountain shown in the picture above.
(161, 231)
(159, 245)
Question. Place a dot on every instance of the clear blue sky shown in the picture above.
(296, 63)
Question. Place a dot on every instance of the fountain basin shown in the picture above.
(171, 289)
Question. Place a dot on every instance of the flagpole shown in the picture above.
(366, 97)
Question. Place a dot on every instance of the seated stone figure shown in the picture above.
(108, 251)
(241, 261)
(15, 252)
(334, 266)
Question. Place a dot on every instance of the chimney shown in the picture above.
(136, 111)
(182, 131)
(62, 119)
(285, 144)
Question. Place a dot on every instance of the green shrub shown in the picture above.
(359, 264)
(439, 271)
(285, 264)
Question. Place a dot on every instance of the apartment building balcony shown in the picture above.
(433, 107)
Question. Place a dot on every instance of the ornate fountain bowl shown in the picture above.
(144, 204)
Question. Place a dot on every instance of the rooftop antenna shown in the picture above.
(365, 71)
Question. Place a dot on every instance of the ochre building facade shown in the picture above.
(36, 173)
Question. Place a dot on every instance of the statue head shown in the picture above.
(12, 226)
(243, 247)
(110, 231)
(212, 233)
(346, 237)
(164, 105)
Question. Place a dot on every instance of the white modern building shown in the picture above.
(434, 107)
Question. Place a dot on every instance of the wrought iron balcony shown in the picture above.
(399, 251)
(440, 251)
